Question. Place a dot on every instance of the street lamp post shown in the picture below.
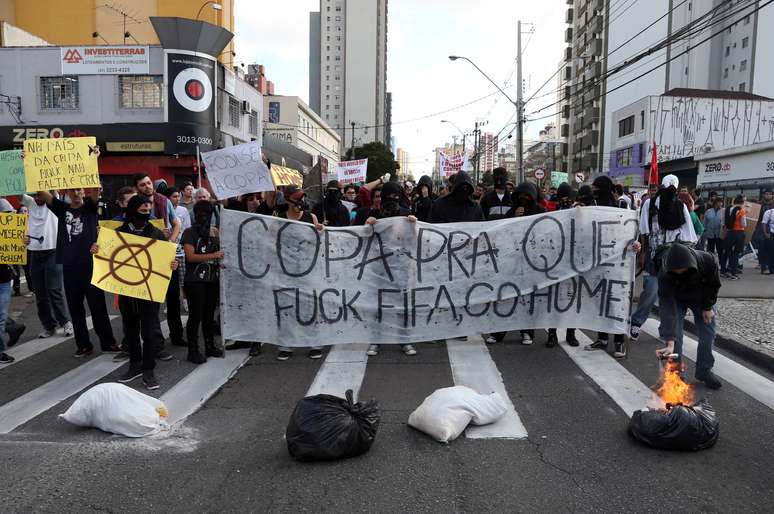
(215, 6)
(463, 134)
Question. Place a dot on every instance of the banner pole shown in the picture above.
(198, 168)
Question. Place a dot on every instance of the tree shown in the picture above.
(380, 159)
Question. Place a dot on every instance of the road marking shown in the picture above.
(344, 368)
(472, 366)
(188, 395)
(39, 400)
(750, 382)
(624, 388)
(32, 347)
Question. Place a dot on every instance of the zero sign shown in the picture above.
(540, 173)
(579, 177)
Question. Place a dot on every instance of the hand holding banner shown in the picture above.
(61, 163)
(237, 170)
(13, 228)
(349, 172)
(12, 173)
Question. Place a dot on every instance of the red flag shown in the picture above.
(653, 179)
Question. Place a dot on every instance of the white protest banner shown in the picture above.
(397, 282)
(349, 172)
(237, 170)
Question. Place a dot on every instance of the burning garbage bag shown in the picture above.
(326, 427)
(677, 427)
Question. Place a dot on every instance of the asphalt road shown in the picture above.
(230, 456)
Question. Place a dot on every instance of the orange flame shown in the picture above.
(673, 390)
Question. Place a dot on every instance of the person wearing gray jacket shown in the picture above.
(713, 220)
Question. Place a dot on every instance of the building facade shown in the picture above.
(402, 157)
(351, 78)
(487, 149)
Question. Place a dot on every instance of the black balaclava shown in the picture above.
(202, 211)
(390, 205)
(604, 193)
(585, 195)
(137, 219)
(332, 193)
(526, 195)
(462, 188)
(565, 195)
(670, 209)
(500, 176)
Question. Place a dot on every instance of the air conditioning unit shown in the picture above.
(246, 107)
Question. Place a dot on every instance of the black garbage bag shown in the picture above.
(679, 428)
(325, 427)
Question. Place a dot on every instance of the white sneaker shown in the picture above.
(634, 332)
(46, 334)
(526, 339)
(409, 350)
(490, 339)
(68, 328)
(373, 349)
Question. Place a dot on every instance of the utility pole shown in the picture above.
(476, 151)
(519, 105)
(353, 140)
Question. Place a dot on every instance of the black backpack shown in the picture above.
(661, 253)
(730, 217)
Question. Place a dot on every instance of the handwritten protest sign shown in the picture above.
(133, 266)
(13, 228)
(114, 224)
(61, 163)
(237, 170)
(349, 172)
(12, 173)
(283, 176)
(400, 282)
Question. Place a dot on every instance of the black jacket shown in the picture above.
(451, 208)
(532, 208)
(696, 288)
(332, 215)
(423, 204)
(494, 208)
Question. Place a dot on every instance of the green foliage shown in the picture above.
(380, 159)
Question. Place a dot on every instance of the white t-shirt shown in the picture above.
(768, 220)
(686, 233)
(41, 222)
(185, 222)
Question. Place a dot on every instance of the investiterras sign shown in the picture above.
(105, 60)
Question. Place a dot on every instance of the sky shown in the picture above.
(424, 83)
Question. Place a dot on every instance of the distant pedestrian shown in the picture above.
(767, 204)
(713, 223)
(735, 223)
(767, 230)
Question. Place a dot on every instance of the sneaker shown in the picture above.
(408, 350)
(620, 350)
(112, 349)
(132, 374)
(46, 334)
(373, 349)
(68, 329)
(83, 352)
(255, 349)
(315, 354)
(213, 351)
(709, 379)
(526, 339)
(634, 332)
(196, 357)
(552, 340)
(239, 345)
(283, 355)
(572, 341)
(5, 358)
(16, 333)
(599, 344)
(149, 379)
(163, 355)
(120, 356)
(490, 339)
(735, 277)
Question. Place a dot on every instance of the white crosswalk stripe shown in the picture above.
(344, 368)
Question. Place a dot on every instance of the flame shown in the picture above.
(673, 390)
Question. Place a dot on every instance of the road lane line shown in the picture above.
(344, 368)
(32, 347)
(625, 389)
(748, 381)
(472, 366)
(190, 393)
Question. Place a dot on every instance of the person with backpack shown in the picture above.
(688, 279)
(663, 220)
(735, 222)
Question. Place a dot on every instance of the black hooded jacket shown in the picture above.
(532, 207)
(330, 211)
(495, 208)
(698, 287)
(423, 204)
(459, 206)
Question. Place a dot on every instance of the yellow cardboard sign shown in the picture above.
(135, 266)
(13, 228)
(114, 224)
(61, 163)
(283, 176)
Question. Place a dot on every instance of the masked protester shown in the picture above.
(390, 208)
(497, 202)
(424, 200)
(140, 318)
(688, 279)
(458, 205)
(330, 211)
(585, 197)
(201, 244)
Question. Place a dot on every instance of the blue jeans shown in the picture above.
(760, 244)
(706, 333)
(647, 300)
(5, 303)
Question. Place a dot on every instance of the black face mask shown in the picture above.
(333, 195)
(203, 219)
(139, 219)
(302, 205)
(390, 206)
(461, 193)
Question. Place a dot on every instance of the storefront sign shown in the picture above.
(135, 146)
(747, 166)
(105, 60)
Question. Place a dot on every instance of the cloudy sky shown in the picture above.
(421, 36)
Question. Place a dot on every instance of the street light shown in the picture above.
(455, 57)
(464, 135)
(215, 6)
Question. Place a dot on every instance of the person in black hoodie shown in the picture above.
(330, 211)
(424, 200)
(688, 279)
(496, 203)
(140, 318)
(458, 205)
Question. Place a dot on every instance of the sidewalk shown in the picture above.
(751, 284)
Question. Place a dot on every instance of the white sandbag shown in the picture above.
(118, 409)
(444, 414)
